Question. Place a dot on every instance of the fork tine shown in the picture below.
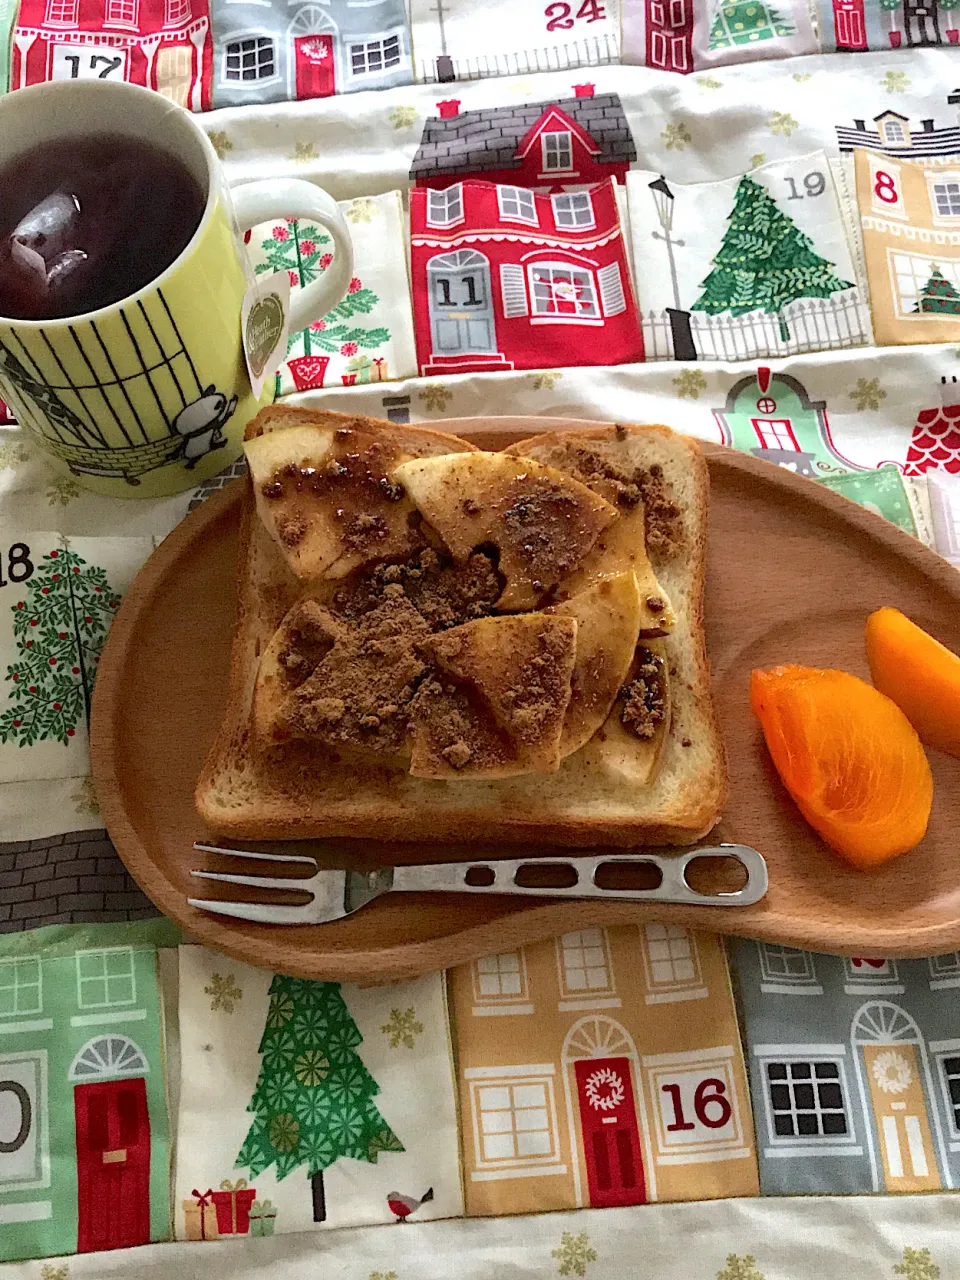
(255, 911)
(248, 853)
(258, 882)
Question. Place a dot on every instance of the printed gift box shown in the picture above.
(200, 1214)
(263, 1218)
(233, 1202)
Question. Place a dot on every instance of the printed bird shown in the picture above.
(402, 1206)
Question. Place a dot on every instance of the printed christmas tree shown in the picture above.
(938, 296)
(59, 628)
(313, 1102)
(764, 262)
(299, 250)
(746, 22)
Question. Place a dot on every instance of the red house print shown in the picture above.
(935, 441)
(669, 31)
(546, 146)
(848, 25)
(507, 278)
(160, 44)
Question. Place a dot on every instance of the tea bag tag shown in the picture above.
(264, 320)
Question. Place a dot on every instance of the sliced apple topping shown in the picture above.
(495, 705)
(305, 636)
(608, 624)
(327, 498)
(630, 742)
(542, 522)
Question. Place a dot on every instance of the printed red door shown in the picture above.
(315, 73)
(611, 1137)
(113, 1165)
(848, 24)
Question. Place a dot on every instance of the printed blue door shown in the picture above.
(461, 304)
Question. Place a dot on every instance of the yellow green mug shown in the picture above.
(150, 396)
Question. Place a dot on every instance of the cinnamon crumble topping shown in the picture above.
(643, 700)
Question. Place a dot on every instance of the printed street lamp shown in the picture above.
(663, 200)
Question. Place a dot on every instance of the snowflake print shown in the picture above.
(757, 159)
(311, 1067)
(402, 1028)
(802, 77)
(738, 1268)
(223, 991)
(57, 1273)
(676, 136)
(63, 491)
(278, 1052)
(279, 1093)
(13, 455)
(304, 153)
(547, 380)
(362, 210)
(868, 393)
(383, 1275)
(689, 384)
(220, 142)
(349, 349)
(917, 1265)
(85, 799)
(281, 1009)
(284, 1133)
(782, 122)
(574, 1254)
(403, 117)
(435, 396)
(709, 82)
(895, 82)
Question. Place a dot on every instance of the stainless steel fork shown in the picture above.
(338, 893)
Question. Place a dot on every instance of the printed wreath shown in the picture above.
(613, 1095)
(892, 1072)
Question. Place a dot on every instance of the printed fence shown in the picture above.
(593, 51)
(811, 324)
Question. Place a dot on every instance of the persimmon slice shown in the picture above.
(849, 757)
(920, 674)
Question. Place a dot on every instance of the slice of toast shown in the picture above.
(298, 790)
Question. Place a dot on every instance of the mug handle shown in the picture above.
(256, 202)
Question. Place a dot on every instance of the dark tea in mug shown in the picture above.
(86, 222)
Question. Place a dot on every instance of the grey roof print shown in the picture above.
(488, 139)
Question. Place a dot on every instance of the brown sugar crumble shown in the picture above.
(547, 529)
(359, 693)
(644, 699)
(310, 634)
(444, 594)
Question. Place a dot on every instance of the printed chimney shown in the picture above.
(860, 125)
(927, 126)
(449, 109)
(949, 392)
(584, 90)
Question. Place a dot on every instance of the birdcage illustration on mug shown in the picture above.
(118, 396)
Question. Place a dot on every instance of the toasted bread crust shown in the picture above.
(302, 794)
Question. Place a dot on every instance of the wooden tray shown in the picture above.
(793, 571)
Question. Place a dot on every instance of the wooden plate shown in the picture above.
(793, 571)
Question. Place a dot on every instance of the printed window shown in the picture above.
(121, 13)
(177, 12)
(775, 433)
(573, 210)
(557, 151)
(445, 208)
(951, 1088)
(787, 969)
(516, 1120)
(373, 57)
(563, 292)
(863, 973)
(585, 962)
(501, 975)
(517, 205)
(946, 197)
(671, 954)
(911, 273)
(944, 971)
(105, 978)
(251, 59)
(893, 131)
(61, 13)
(21, 987)
(806, 1099)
